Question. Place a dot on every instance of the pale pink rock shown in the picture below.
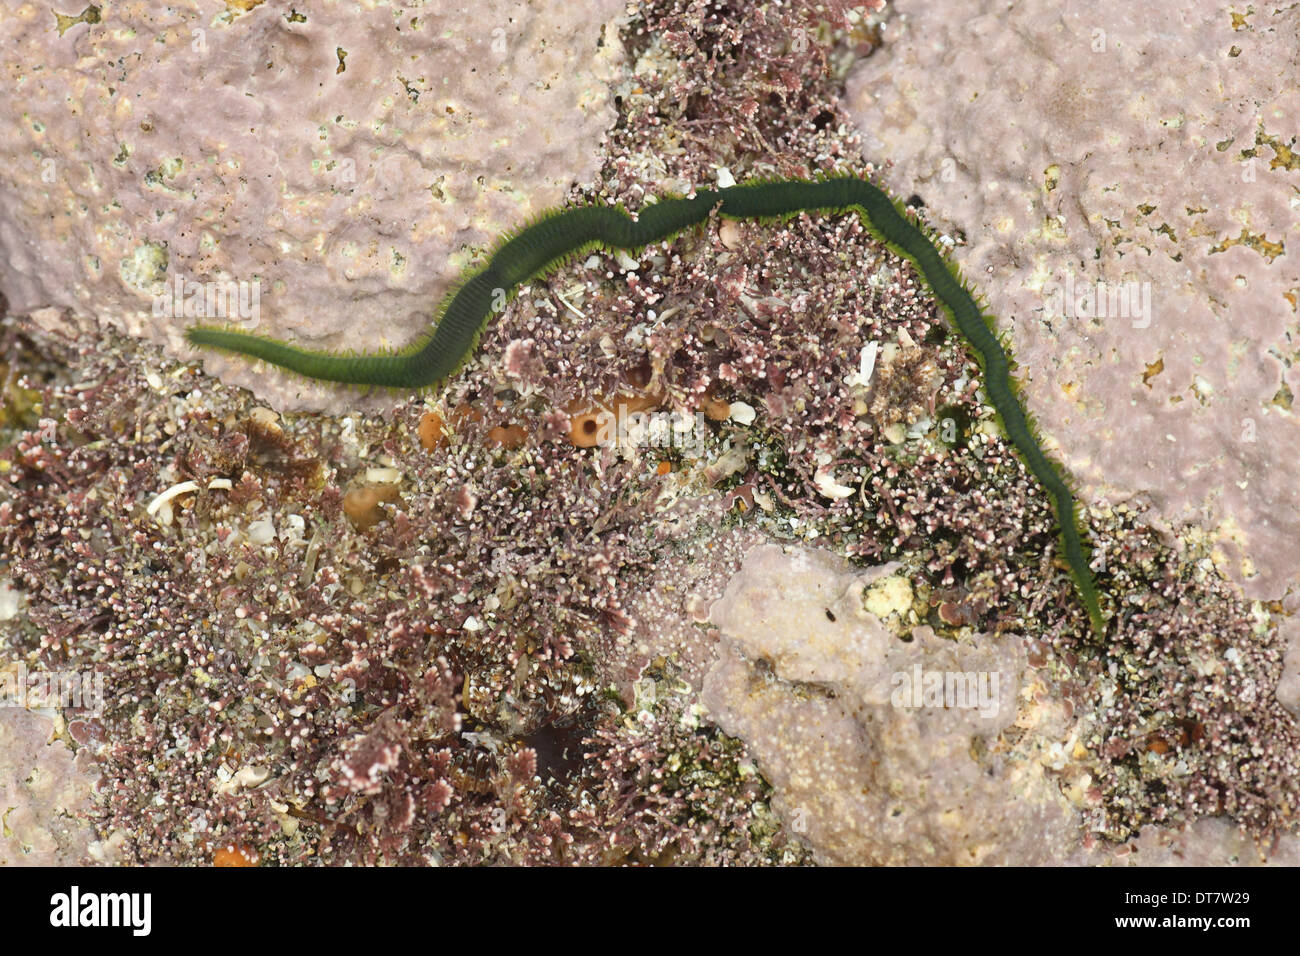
(1105, 141)
(1210, 841)
(805, 676)
(350, 159)
(44, 795)
(809, 679)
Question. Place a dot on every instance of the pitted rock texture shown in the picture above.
(1121, 142)
(45, 793)
(824, 696)
(349, 159)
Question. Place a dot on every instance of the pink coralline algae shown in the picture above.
(45, 793)
(865, 764)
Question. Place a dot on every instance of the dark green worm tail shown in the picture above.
(558, 236)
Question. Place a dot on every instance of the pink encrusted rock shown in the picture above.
(866, 768)
(1210, 841)
(1124, 142)
(44, 795)
(807, 676)
(350, 159)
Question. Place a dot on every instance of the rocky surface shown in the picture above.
(340, 163)
(1124, 143)
(884, 748)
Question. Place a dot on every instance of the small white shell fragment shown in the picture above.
(250, 776)
(265, 417)
(11, 602)
(261, 531)
(383, 476)
(742, 413)
(828, 487)
(866, 366)
(294, 526)
(184, 488)
(730, 234)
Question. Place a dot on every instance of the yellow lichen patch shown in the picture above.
(1284, 157)
(1051, 177)
(87, 16)
(1257, 241)
(18, 405)
(889, 595)
(1152, 370)
(243, 6)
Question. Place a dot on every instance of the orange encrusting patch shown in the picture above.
(235, 854)
(508, 436)
(432, 430)
(361, 504)
(589, 425)
(715, 408)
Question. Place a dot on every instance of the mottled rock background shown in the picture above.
(329, 159)
(1125, 142)
(351, 158)
(808, 655)
(44, 795)
(806, 676)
